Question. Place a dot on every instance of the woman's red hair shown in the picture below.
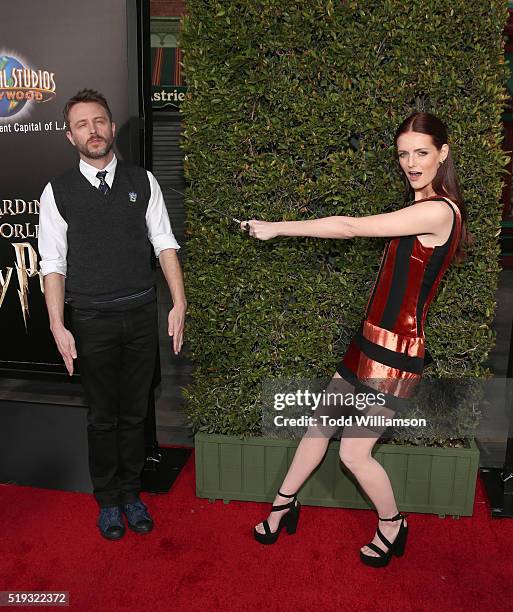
(445, 182)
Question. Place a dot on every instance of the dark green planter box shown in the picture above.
(434, 480)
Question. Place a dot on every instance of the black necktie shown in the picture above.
(103, 187)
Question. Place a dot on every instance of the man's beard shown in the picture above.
(86, 152)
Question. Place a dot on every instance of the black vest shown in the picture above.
(109, 252)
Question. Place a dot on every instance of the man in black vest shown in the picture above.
(98, 223)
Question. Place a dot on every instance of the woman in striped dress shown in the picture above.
(387, 353)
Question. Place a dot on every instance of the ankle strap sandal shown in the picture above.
(393, 548)
(289, 520)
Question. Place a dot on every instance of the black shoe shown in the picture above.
(138, 517)
(288, 520)
(393, 548)
(110, 523)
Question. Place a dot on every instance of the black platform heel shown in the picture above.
(288, 520)
(393, 548)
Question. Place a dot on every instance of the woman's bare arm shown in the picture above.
(430, 217)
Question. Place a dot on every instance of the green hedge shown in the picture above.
(290, 114)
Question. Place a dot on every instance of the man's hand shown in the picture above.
(173, 273)
(176, 321)
(66, 346)
(262, 230)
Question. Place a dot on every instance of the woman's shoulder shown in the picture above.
(438, 204)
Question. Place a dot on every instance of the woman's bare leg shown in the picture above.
(307, 457)
(355, 452)
(309, 454)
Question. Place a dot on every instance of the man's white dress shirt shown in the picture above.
(52, 240)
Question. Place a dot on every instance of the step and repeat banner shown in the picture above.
(48, 51)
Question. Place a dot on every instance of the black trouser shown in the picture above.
(116, 354)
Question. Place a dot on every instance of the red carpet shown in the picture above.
(202, 556)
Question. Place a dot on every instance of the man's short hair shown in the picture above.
(85, 95)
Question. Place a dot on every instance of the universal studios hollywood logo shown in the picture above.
(21, 86)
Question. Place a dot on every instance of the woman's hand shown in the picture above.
(262, 230)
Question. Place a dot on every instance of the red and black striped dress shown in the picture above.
(387, 353)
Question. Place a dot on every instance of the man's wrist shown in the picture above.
(56, 326)
(180, 304)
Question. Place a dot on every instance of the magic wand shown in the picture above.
(220, 212)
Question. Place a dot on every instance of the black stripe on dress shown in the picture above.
(393, 359)
(399, 282)
(392, 401)
(433, 269)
